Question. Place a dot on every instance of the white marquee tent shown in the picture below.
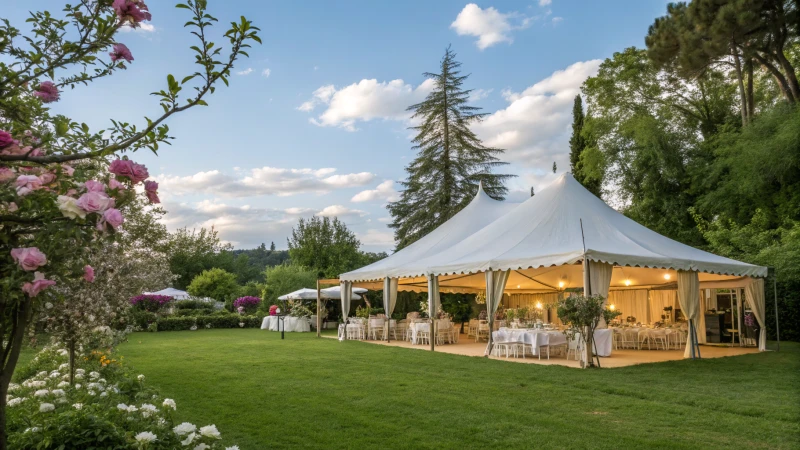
(564, 237)
(177, 294)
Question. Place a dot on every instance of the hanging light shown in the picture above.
(667, 276)
(627, 282)
(517, 286)
(612, 307)
(538, 305)
(561, 284)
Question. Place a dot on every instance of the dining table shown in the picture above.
(535, 337)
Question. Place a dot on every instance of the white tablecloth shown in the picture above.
(290, 324)
(603, 338)
(534, 338)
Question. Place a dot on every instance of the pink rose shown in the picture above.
(113, 217)
(92, 202)
(94, 186)
(129, 169)
(88, 273)
(31, 182)
(6, 139)
(39, 284)
(139, 173)
(151, 190)
(133, 11)
(67, 169)
(47, 178)
(114, 184)
(6, 175)
(47, 92)
(121, 51)
(36, 152)
(29, 258)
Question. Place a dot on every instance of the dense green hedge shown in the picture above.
(207, 321)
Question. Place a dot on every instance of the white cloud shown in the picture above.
(340, 211)
(534, 127)
(384, 192)
(545, 2)
(263, 181)
(556, 20)
(247, 71)
(373, 237)
(142, 28)
(266, 73)
(489, 25)
(365, 101)
(479, 94)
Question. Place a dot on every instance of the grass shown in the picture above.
(320, 393)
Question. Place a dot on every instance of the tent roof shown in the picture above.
(481, 211)
(311, 294)
(545, 231)
(172, 292)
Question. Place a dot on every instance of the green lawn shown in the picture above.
(320, 393)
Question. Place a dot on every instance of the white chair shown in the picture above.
(659, 336)
(574, 346)
(482, 331)
(376, 328)
(472, 328)
(456, 333)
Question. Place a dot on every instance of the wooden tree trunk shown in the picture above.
(20, 318)
(71, 349)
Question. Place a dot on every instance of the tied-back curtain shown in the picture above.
(389, 295)
(597, 280)
(346, 288)
(433, 295)
(495, 285)
(754, 294)
(689, 299)
(701, 320)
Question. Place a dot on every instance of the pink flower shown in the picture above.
(151, 190)
(114, 184)
(121, 51)
(27, 183)
(133, 11)
(47, 178)
(6, 139)
(47, 92)
(67, 169)
(126, 168)
(36, 152)
(39, 284)
(94, 186)
(88, 273)
(29, 258)
(113, 217)
(95, 202)
(6, 175)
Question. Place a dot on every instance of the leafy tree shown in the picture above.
(582, 315)
(286, 278)
(451, 161)
(64, 204)
(324, 245)
(577, 144)
(193, 251)
(216, 283)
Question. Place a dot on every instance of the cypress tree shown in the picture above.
(451, 160)
(576, 142)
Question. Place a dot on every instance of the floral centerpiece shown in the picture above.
(273, 310)
(298, 309)
(150, 302)
(248, 303)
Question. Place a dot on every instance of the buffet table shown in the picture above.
(290, 324)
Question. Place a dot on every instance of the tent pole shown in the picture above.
(691, 337)
(775, 293)
(319, 319)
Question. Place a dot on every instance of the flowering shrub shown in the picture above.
(109, 406)
(209, 321)
(249, 304)
(749, 320)
(149, 302)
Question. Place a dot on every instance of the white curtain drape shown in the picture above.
(389, 296)
(433, 295)
(631, 303)
(688, 297)
(660, 299)
(597, 281)
(347, 292)
(711, 301)
(701, 320)
(754, 295)
(495, 285)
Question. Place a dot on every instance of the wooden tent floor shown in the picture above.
(618, 358)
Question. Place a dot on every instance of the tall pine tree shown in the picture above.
(577, 144)
(451, 160)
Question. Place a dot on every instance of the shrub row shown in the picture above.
(206, 321)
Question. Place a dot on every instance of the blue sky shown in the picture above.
(314, 120)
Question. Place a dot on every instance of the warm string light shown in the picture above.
(538, 305)
(667, 276)
(561, 284)
(627, 282)
(612, 307)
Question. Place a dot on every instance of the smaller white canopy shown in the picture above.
(177, 294)
(311, 294)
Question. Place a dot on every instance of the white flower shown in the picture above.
(233, 447)
(188, 439)
(13, 387)
(31, 430)
(55, 374)
(41, 393)
(210, 431)
(184, 428)
(41, 374)
(69, 207)
(145, 436)
(140, 377)
(15, 401)
(122, 407)
(58, 392)
(63, 366)
(63, 384)
(102, 381)
(94, 375)
(104, 394)
(78, 386)
(132, 408)
(96, 386)
(80, 371)
(61, 400)
(169, 403)
(201, 446)
(91, 392)
(34, 384)
(78, 376)
(46, 407)
(78, 406)
(148, 409)
(63, 352)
